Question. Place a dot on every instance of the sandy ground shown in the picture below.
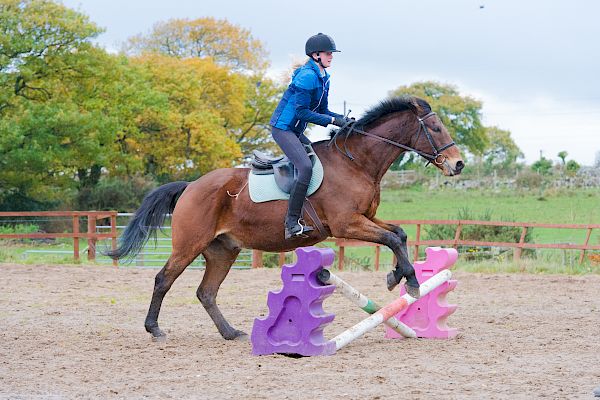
(77, 332)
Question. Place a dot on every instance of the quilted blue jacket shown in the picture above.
(304, 101)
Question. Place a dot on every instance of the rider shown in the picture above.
(304, 101)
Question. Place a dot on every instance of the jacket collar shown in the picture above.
(315, 68)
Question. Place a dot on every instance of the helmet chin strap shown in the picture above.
(320, 63)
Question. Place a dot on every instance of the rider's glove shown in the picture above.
(341, 121)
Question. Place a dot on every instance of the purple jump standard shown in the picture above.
(296, 318)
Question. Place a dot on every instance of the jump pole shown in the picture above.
(388, 311)
(363, 302)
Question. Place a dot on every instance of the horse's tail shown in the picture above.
(151, 215)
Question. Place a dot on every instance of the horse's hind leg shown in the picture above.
(175, 265)
(219, 256)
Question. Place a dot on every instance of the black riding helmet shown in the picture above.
(320, 42)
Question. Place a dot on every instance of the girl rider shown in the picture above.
(304, 101)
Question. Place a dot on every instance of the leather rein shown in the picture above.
(435, 157)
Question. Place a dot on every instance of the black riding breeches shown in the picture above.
(293, 148)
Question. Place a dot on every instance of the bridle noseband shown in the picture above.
(435, 157)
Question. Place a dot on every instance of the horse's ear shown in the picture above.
(416, 107)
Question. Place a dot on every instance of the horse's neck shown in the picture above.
(372, 156)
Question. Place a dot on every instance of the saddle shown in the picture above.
(281, 167)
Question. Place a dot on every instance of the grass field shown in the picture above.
(558, 207)
(573, 207)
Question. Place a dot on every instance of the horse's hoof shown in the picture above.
(412, 291)
(236, 335)
(391, 281)
(160, 338)
(243, 337)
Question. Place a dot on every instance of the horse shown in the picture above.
(214, 215)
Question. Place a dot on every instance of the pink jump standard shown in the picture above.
(388, 311)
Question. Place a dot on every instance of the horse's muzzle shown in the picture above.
(453, 167)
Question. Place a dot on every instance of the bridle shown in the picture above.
(435, 157)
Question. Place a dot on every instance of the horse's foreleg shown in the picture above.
(219, 255)
(362, 228)
(398, 231)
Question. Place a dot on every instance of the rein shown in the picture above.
(436, 156)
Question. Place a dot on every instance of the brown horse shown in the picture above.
(208, 220)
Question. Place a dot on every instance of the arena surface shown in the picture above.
(77, 332)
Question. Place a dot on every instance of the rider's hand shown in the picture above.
(341, 121)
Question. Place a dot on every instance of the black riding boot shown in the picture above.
(294, 225)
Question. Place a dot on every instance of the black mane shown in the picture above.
(388, 106)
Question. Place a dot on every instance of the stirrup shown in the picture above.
(302, 233)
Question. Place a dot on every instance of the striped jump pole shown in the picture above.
(362, 301)
(388, 311)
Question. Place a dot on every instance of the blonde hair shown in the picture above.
(297, 62)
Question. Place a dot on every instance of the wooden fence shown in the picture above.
(91, 235)
(257, 261)
(457, 241)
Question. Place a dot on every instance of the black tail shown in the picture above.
(151, 215)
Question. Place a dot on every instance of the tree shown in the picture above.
(254, 132)
(572, 167)
(68, 107)
(502, 153)
(190, 137)
(51, 148)
(543, 166)
(563, 155)
(227, 44)
(40, 40)
(460, 114)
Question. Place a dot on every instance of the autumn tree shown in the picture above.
(191, 136)
(228, 46)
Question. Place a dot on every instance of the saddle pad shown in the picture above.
(263, 187)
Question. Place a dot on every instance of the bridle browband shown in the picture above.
(436, 157)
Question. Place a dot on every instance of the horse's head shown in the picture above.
(408, 123)
(433, 142)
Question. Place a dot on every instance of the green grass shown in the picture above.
(580, 206)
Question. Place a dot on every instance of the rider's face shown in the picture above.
(326, 58)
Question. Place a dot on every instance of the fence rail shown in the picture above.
(92, 235)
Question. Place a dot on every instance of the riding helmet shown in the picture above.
(320, 42)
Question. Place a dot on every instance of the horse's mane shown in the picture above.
(388, 106)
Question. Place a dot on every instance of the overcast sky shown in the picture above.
(535, 64)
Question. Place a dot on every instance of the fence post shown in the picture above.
(341, 258)
(91, 234)
(76, 236)
(113, 232)
(281, 259)
(377, 253)
(457, 235)
(587, 240)
(257, 259)
(521, 241)
(418, 239)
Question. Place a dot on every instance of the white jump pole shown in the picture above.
(363, 302)
(389, 311)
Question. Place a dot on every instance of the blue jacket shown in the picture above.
(304, 101)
